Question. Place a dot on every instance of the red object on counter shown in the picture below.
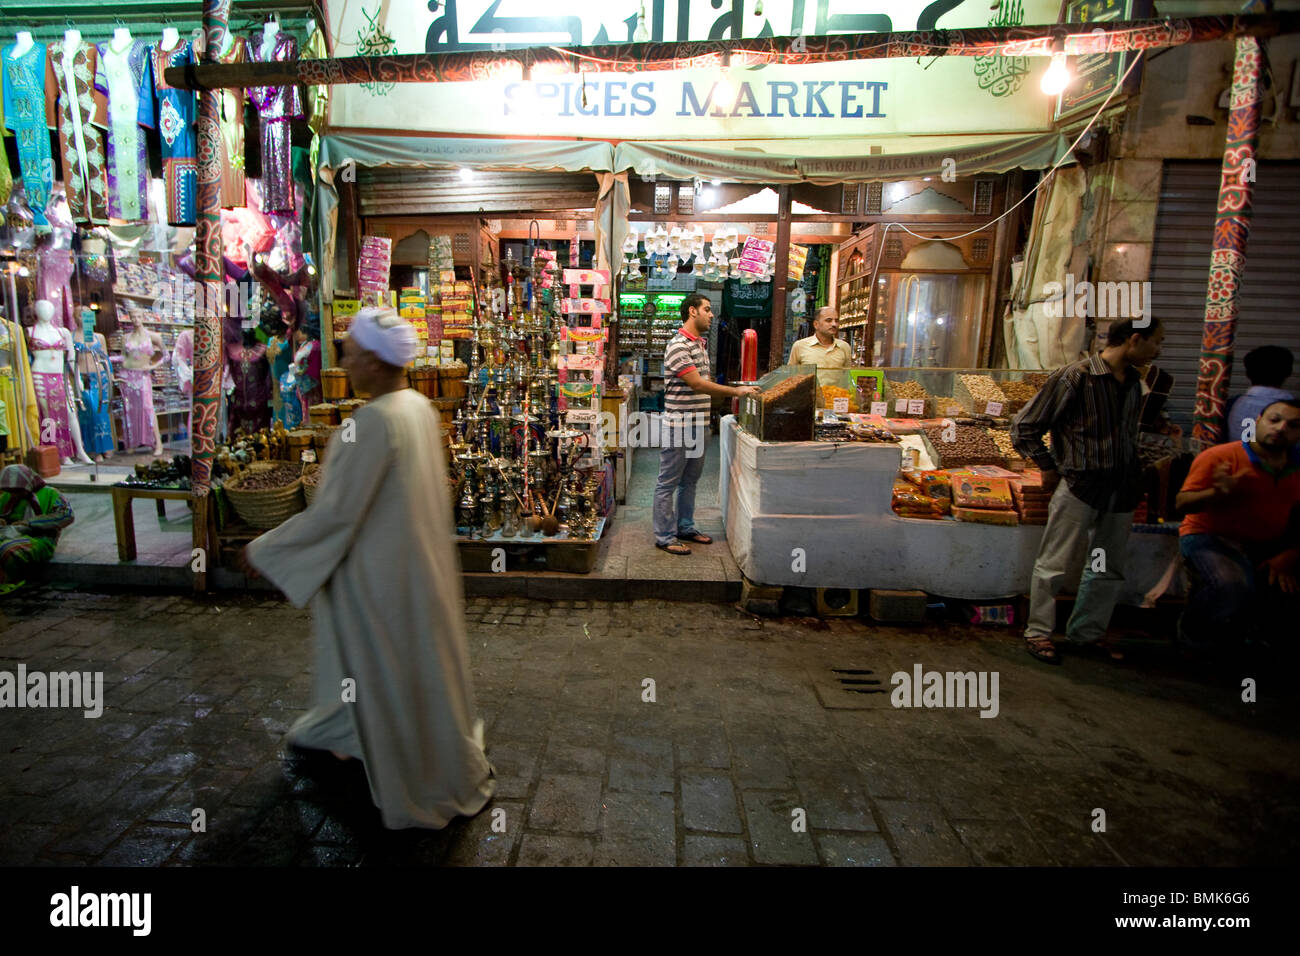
(749, 356)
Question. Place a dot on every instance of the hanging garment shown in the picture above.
(230, 114)
(52, 399)
(29, 115)
(125, 76)
(82, 113)
(96, 395)
(56, 263)
(17, 388)
(176, 115)
(318, 97)
(6, 178)
(277, 352)
(250, 405)
(277, 106)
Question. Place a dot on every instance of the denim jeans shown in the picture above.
(1227, 593)
(1064, 553)
(678, 476)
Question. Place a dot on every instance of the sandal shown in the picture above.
(1110, 647)
(1041, 648)
(696, 536)
(673, 548)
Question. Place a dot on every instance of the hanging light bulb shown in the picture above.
(1057, 77)
(642, 32)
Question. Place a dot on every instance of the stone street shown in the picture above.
(646, 733)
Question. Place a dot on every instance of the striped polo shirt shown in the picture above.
(685, 353)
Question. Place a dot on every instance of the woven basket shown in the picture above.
(265, 508)
(310, 482)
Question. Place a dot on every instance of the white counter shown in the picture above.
(817, 514)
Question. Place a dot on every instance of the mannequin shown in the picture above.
(97, 391)
(183, 364)
(250, 404)
(57, 265)
(52, 354)
(170, 36)
(121, 37)
(142, 352)
(24, 42)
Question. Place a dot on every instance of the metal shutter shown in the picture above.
(1180, 265)
(409, 191)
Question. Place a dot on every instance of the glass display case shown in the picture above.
(786, 409)
(917, 301)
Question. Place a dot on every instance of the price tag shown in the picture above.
(953, 410)
(916, 406)
(901, 406)
(840, 406)
(880, 408)
(309, 456)
(993, 408)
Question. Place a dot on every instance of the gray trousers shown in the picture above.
(1065, 553)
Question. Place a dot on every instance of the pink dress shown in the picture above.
(52, 399)
(139, 422)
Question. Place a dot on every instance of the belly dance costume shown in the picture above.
(96, 393)
(52, 398)
(139, 421)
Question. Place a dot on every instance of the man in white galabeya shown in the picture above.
(375, 557)
(687, 403)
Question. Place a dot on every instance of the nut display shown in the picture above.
(1003, 441)
(909, 389)
(982, 389)
(1018, 391)
(832, 392)
(970, 445)
(1036, 379)
(945, 405)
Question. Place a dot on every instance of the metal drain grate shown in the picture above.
(858, 681)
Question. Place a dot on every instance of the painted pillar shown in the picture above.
(209, 273)
(1228, 255)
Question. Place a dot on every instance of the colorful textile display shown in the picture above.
(29, 115)
(138, 419)
(96, 394)
(82, 113)
(125, 77)
(52, 398)
(176, 114)
(276, 105)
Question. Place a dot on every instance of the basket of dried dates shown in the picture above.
(266, 493)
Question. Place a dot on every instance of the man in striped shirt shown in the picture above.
(1092, 410)
(688, 395)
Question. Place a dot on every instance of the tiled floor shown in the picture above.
(750, 753)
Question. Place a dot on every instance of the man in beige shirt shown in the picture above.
(823, 349)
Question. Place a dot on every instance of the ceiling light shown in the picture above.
(1057, 77)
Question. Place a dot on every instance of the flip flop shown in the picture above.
(673, 548)
(11, 587)
(696, 536)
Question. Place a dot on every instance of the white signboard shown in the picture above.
(873, 97)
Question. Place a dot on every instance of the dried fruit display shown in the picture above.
(280, 476)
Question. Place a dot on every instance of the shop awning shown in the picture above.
(828, 162)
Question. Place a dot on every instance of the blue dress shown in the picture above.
(97, 393)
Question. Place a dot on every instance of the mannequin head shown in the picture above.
(44, 310)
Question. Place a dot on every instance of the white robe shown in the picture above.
(375, 556)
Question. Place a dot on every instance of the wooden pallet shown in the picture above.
(497, 554)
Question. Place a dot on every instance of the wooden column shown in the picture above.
(209, 272)
(780, 280)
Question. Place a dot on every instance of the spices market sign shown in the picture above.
(849, 99)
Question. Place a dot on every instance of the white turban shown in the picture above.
(383, 332)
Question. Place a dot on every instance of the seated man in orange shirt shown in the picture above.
(1241, 536)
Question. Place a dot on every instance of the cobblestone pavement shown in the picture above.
(738, 747)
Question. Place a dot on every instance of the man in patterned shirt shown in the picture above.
(688, 395)
(1092, 409)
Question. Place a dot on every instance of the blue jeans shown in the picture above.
(678, 476)
(1225, 585)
